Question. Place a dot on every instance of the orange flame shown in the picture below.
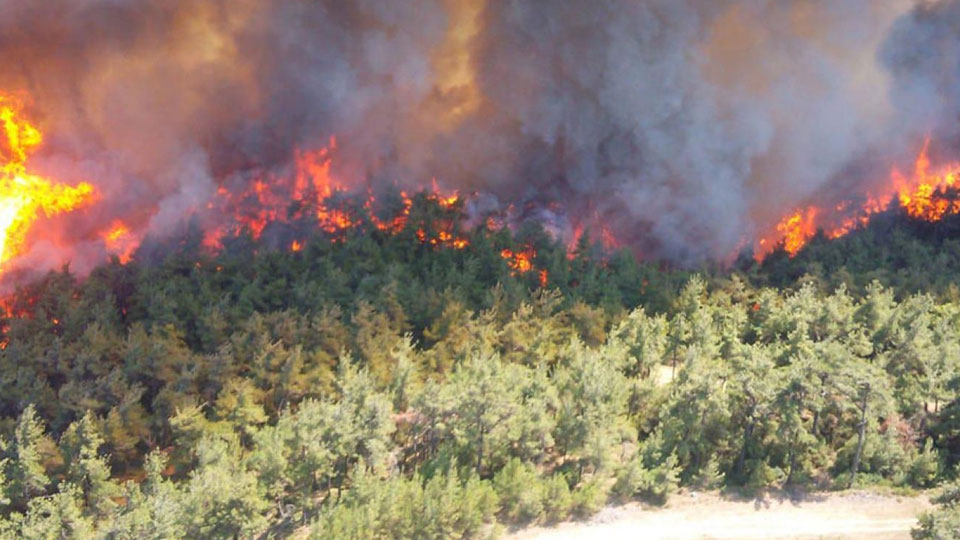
(442, 239)
(445, 201)
(608, 240)
(119, 241)
(925, 195)
(796, 230)
(24, 196)
(313, 194)
(520, 261)
(922, 195)
(313, 172)
(399, 221)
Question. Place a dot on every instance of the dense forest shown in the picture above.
(369, 385)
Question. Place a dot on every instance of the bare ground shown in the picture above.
(708, 516)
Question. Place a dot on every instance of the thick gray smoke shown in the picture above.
(689, 127)
(922, 52)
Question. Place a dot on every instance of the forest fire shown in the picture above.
(25, 196)
(120, 240)
(310, 196)
(608, 240)
(398, 222)
(793, 232)
(385, 268)
(520, 261)
(192, 126)
(925, 195)
(313, 199)
(928, 194)
(442, 239)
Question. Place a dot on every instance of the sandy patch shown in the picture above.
(707, 516)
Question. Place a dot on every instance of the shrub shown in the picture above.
(629, 478)
(925, 467)
(588, 499)
(944, 522)
(520, 492)
(653, 485)
(557, 499)
(398, 508)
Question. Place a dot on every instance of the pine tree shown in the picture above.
(26, 473)
(87, 469)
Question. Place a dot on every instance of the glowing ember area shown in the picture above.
(929, 194)
(120, 241)
(24, 196)
(520, 261)
(445, 201)
(395, 225)
(442, 239)
(334, 221)
(271, 199)
(311, 198)
(444, 234)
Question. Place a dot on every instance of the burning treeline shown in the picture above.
(682, 129)
(291, 210)
(927, 193)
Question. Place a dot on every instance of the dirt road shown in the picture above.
(707, 516)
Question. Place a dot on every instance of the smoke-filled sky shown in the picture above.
(689, 126)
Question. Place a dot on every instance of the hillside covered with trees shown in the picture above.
(377, 386)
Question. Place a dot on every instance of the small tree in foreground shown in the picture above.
(943, 523)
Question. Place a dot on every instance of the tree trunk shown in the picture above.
(793, 456)
(742, 458)
(860, 435)
(480, 451)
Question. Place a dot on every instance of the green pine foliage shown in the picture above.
(943, 523)
(380, 387)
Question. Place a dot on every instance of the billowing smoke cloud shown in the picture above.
(922, 52)
(689, 127)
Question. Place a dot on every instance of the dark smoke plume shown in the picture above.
(689, 127)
